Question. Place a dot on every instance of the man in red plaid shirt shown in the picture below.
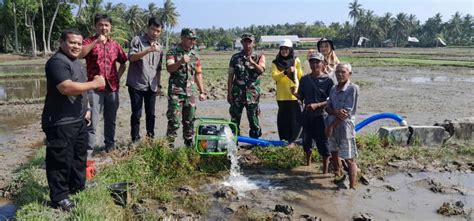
(102, 53)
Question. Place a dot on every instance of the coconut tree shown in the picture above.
(355, 10)
(134, 19)
(169, 17)
(86, 18)
(412, 24)
(385, 23)
(468, 29)
(152, 11)
(454, 28)
(399, 26)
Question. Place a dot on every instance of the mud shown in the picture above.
(304, 191)
(446, 95)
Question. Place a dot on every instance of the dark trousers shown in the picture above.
(313, 130)
(289, 120)
(66, 156)
(137, 98)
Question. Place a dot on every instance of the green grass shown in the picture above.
(280, 157)
(157, 172)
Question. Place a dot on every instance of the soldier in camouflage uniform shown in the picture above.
(243, 84)
(184, 66)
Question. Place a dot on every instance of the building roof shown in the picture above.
(278, 38)
(309, 40)
(413, 39)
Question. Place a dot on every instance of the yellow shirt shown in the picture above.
(283, 83)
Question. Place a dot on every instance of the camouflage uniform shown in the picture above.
(182, 94)
(245, 92)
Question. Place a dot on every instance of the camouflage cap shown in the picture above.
(189, 33)
(316, 55)
(248, 36)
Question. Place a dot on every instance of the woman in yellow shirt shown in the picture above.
(287, 71)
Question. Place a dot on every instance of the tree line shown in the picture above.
(34, 26)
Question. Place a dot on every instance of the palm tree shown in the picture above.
(169, 17)
(399, 26)
(133, 18)
(152, 11)
(468, 28)
(412, 24)
(86, 18)
(385, 24)
(454, 28)
(355, 10)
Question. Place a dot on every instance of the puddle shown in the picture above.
(412, 199)
(424, 80)
(7, 210)
(13, 89)
(10, 124)
(314, 194)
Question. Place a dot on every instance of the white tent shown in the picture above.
(413, 39)
(362, 40)
(440, 41)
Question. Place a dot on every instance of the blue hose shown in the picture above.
(261, 142)
(379, 116)
(277, 143)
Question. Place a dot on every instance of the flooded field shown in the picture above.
(423, 95)
(22, 89)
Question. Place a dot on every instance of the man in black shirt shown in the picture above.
(64, 120)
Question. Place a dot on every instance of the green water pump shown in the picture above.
(213, 136)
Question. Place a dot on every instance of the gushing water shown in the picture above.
(236, 179)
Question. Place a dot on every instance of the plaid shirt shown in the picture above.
(101, 60)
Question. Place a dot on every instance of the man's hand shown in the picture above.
(202, 97)
(293, 90)
(153, 47)
(341, 114)
(312, 107)
(229, 98)
(88, 117)
(99, 80)
(101, 38)
(185, 59)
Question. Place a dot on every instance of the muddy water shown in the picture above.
(311, 193)
(13, 89)
(19, 129)
(7, 210)
(21, 68)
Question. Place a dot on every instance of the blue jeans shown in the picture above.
(108, 103)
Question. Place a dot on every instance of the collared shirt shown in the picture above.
(60, 109)
(246, 82)
(101, 61)
(182, 80)
(345, 98)
(144, 74)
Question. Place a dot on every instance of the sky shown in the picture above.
(243, 13)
